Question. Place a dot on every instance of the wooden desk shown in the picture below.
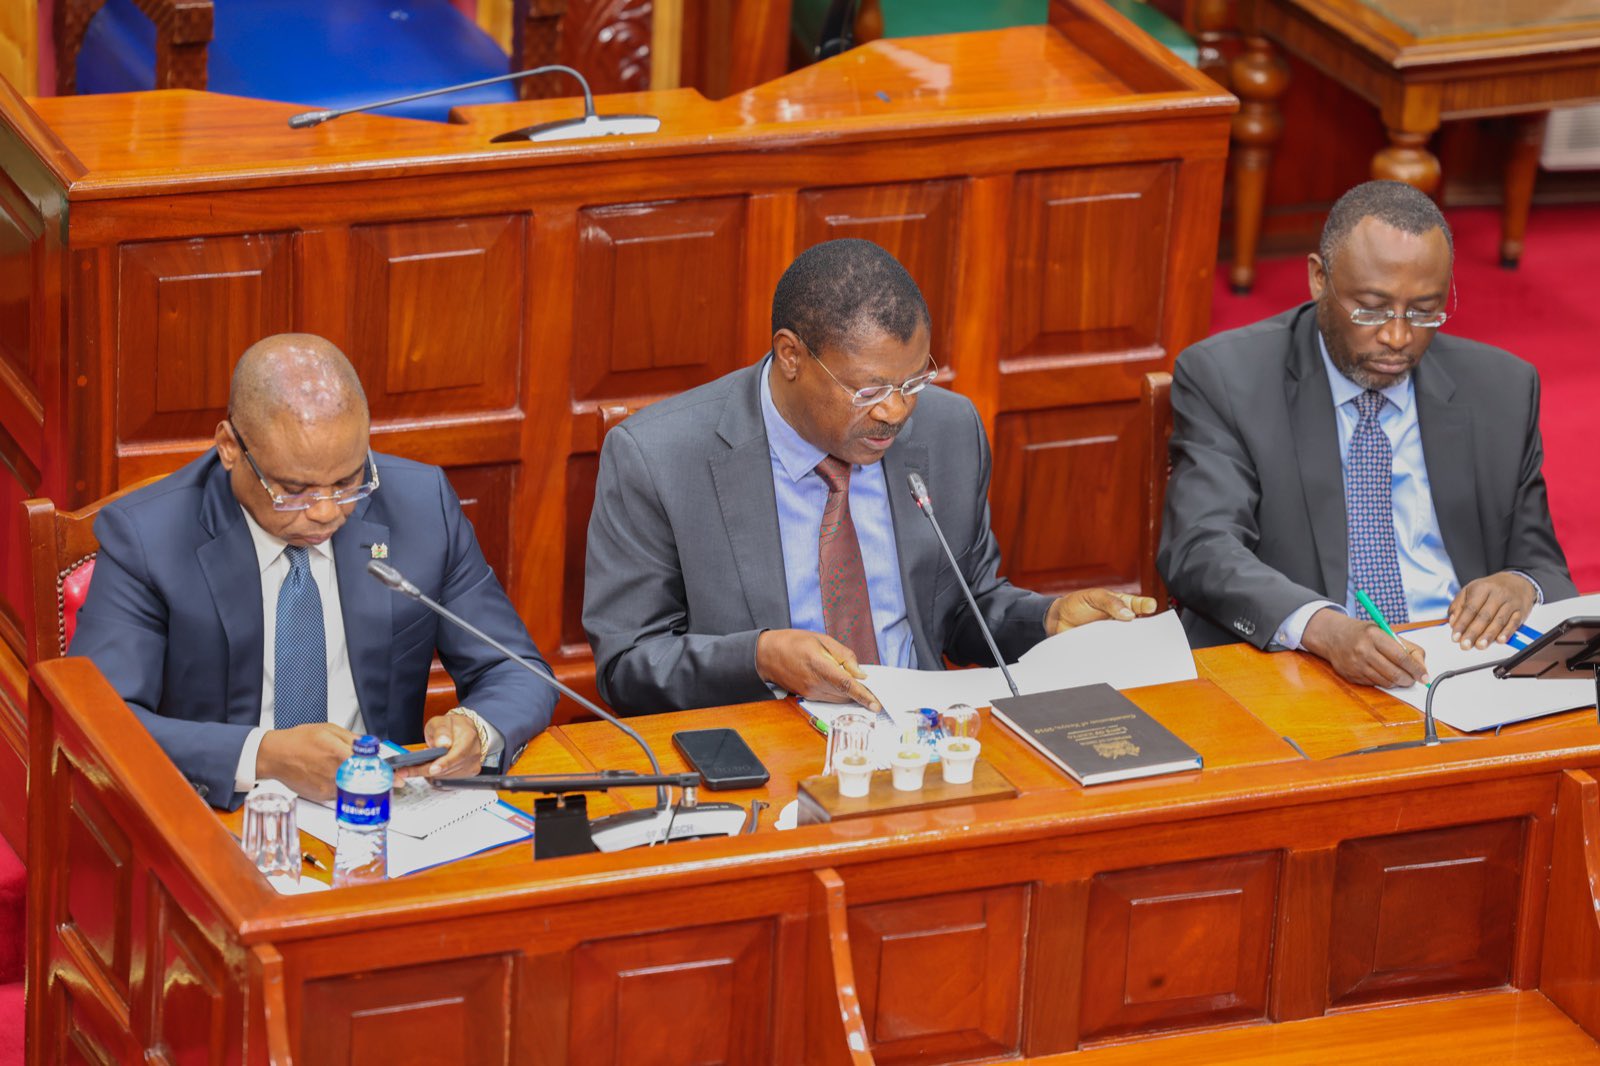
(1421, 62)
(1054, 190)
(1268, 888)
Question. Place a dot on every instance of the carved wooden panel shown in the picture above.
(609, 40)
(1089, 249)
(916, 222)
(582, 473)
(84, 1035)
(940, 977)
(1426, 912)
(185, 312)
(21, 228)
(456, 1011)
(701, 994)
(1064, 496)
(1179, 945)
(436, 320)
(100, 857)
(191, 989)
(486, 493)
(660, 296)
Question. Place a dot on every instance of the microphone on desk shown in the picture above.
(686, 820)
(590, 125)
(919, 492)
(1430, 729)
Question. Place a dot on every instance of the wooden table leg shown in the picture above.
(1407, 159)
(1259, 80)
(1522, 169)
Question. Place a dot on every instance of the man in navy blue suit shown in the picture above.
(231, 608)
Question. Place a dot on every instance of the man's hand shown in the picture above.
(1091, 605)
(1363, 653)
(305, 758)
(453, 731)
(1490, 609)
(813, 666)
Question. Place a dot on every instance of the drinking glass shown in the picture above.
(961, 720)
(850, 731)
(271, 837)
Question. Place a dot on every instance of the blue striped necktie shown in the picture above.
(300, 655)
(1369, 509)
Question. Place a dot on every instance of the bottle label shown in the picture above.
(363, 808)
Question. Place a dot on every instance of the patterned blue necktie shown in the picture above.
(300, 656)
(1369, 510)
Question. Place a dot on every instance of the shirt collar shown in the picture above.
(1345, 390)
(268, 547)
(795, 454)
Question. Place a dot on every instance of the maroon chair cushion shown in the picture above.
(74, 590)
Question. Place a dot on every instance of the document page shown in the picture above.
(485, 828)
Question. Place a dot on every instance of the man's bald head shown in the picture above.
(297, 377)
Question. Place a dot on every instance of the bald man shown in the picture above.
(231, 608)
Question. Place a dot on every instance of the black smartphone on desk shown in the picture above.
(721, 757)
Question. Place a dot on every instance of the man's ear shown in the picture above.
(227, 447)
(787, 353)
(1316, 275)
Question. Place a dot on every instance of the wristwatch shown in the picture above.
(478, 724)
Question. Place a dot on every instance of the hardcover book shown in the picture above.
(1096, 734)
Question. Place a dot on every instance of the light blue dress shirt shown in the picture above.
(802, 496)
(1425, 567)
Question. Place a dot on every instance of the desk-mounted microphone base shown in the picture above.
(572, 129)
(1403, 745)
(634, 829)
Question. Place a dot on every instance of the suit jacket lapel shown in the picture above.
(229, 563)
(1447, 450)
(367, 607)
(1316, 440)
(915, 544)
(749, 504)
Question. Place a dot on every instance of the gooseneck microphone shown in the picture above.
(1430, 729)
(590, 125)
(919, 492)
(618, 831)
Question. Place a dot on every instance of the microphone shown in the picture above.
(1430, 729)
(618, 831)
(919, 492)
(590, 125)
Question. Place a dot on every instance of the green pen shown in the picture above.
(1383, 623)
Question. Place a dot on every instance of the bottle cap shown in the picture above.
(367, 745)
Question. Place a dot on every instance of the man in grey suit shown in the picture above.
(758, 531)
(1318, 453)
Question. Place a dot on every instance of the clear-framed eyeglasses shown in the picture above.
(1370, 317)
(304, 501)
(873, 395)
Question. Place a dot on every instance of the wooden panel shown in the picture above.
(21, 229)
(659, 297)
(486, 493)
(1179, 945)
(702, 994)
(186, 310)
(453, 1011)
(1088, 251)
(582, 472)
(436, 321)
(84, 1035)
(1065, 495)
(916, 222)
(100, 857)
(191, 988)
(1572, 923)
(1425, 912)
(940, 977)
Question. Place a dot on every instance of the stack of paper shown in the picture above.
(1481, 700)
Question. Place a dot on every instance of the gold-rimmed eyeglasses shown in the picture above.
(873, 395)
(304, 501)
(1370, 317)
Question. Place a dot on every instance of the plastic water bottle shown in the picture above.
(361, 854)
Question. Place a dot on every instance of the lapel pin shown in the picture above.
(379, 551)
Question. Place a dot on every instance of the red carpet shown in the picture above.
(1548, 312)
(11, 1024)
(13, 901)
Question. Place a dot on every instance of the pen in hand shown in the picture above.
(1382, 623)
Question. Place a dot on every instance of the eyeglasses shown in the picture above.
(1372, 316)
(873, 395)
(304, 501)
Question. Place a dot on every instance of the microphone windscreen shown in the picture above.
(386, 573)
(919, 489)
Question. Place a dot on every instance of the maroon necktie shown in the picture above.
(846, 611)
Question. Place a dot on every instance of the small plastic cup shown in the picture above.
(854, 771)
(958, 755)
(909, 763)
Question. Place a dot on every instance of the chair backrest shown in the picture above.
(1155, 417)
(62, 547)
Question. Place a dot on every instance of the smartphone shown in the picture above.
(721, 757)
(413, 758)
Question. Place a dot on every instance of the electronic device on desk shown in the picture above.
(1093, 732)
(562, 822)
(721, 758)
(1571, 647)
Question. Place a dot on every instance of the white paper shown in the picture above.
(488, 827)
(1482, 701)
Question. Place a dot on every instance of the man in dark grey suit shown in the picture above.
(758, 531)
(1319, 452)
